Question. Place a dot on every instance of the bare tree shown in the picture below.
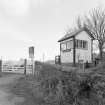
(70, 30)
(95, 22)
(79, 22)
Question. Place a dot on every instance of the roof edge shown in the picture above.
(82, 29)
(65, 39)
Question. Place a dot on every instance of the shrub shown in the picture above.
(59, 87)
(69, 88)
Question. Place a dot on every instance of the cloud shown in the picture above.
(16, 7)
(22, 6)
(45, 2)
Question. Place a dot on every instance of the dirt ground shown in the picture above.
(6, 97)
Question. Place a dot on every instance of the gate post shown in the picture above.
(25, 66)
(0, 66)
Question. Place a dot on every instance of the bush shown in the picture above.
(63, 88)
(55, 87)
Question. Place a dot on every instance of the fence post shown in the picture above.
(84, 67)
(0, 66)
(25, 66)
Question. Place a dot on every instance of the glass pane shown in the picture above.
(63, 46)
(69, 44)
(76, 43)
(81, 44)
(84, 44)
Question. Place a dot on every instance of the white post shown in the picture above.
(31, 55)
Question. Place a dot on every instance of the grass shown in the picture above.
(25, 87)
(29, 86)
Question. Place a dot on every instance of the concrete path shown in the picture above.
(6, 97)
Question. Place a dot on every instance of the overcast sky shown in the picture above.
(38, 23)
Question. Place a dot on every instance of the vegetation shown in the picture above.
(54, 87)
(72, 89)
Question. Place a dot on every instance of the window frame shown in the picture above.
(71, 44)
(61, 47)
(67, 48)
(80, 44)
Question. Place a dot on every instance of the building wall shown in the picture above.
(84, 54)
(66, 57)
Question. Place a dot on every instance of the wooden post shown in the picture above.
(33, 66)
(74, 52)
(0, 66)
(25, 66)
(84, 67)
